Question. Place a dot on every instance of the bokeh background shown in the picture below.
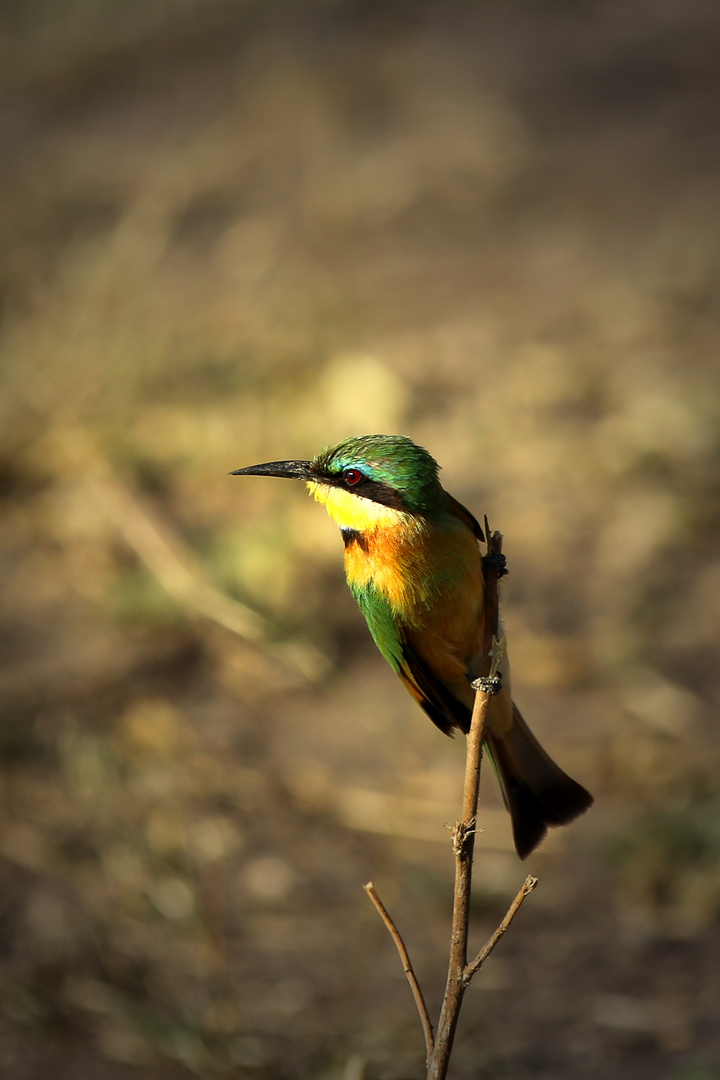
(232, 232)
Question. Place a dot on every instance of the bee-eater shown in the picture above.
(413, 563)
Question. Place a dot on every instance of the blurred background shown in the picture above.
(232, 232)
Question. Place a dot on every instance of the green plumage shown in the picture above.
(393, 460)
(382, 622)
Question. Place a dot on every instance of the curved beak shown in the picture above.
(291, 470)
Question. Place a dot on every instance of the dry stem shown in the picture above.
(460, 972)
(407, 967)
(463, 846)
(525, 889)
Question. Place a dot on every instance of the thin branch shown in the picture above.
(463, 846)
(407, 967)
(464, 830)
(525, 889)
(439, 1049)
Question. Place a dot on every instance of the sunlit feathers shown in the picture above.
(414, 565)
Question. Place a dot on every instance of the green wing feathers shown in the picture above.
(391, 638)
(386, 633)
(438, 702)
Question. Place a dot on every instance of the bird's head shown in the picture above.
(367, 480)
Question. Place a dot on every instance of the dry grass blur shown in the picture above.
(231, 233)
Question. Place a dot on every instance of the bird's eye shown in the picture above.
(352, 477)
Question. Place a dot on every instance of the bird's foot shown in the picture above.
(489, 685)
(496, 562)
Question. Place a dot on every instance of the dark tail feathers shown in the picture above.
(537, 792)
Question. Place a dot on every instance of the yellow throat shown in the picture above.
(351, 511)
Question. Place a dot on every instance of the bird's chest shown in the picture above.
(384, 561)
(414, 574)
(384, 549)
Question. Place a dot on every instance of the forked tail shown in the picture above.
(537, 792)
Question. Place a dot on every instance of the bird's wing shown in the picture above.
(403, 649)
(465, 516)
(440, 704)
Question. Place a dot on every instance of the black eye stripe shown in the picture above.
(375, 490)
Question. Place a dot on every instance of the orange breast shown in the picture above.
(430, 575)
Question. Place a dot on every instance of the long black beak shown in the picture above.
(292, 470)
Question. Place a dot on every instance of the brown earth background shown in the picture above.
(232, 232)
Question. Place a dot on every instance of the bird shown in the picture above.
(413, 563)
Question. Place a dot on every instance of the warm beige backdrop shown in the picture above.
(231, 233)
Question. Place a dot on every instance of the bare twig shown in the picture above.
(407, 967)
(460, 972)
(525, 889)
(464, 830)
(463, 846)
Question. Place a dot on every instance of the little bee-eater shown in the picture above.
(413, 563)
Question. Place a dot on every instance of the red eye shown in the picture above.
(352, 477)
